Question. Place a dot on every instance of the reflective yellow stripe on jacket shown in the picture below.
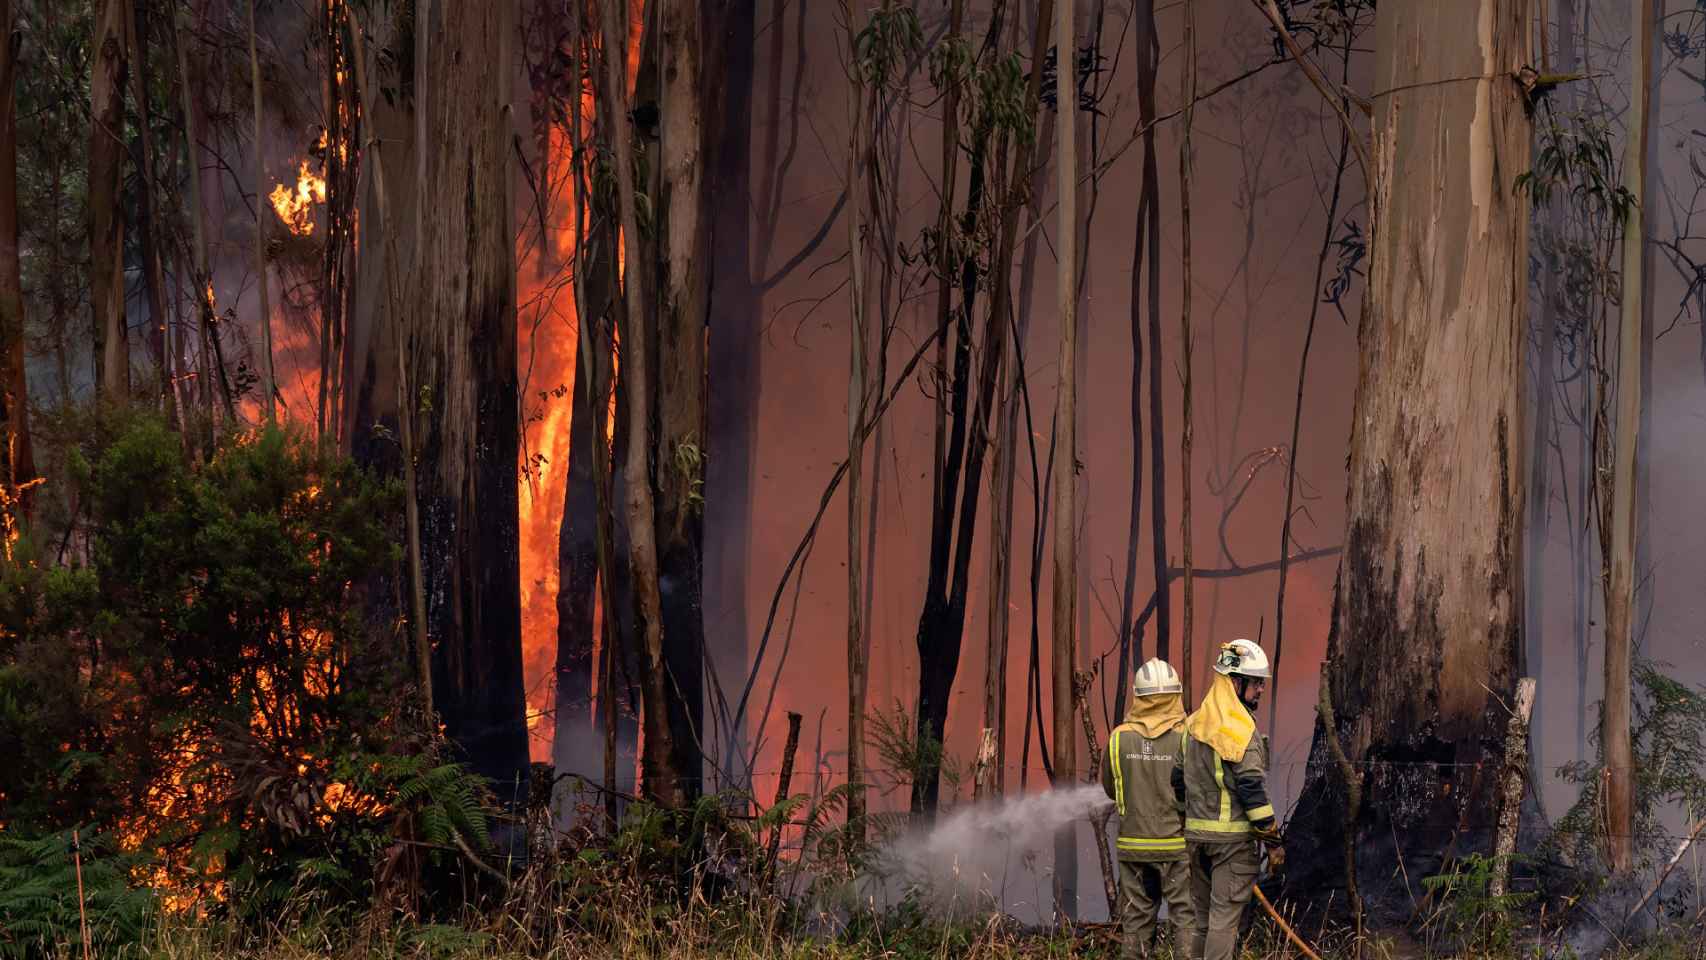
(1114, 765)
(1225, 824)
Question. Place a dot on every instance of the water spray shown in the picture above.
(972, 847)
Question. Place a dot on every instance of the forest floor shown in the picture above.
(959, 942)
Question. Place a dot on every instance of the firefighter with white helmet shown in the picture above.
(1227, 813)
(1141, 775)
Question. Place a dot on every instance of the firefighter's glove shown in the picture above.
(1275, 845)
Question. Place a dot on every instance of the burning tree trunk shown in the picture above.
(577, 551)
(18, 465)
(1426, 635)
(464, 364)
(106, 211)
(211, 367)
(1065, 584)
(1620, 583)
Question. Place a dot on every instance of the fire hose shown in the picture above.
(1290, 934)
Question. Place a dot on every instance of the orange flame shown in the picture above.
(296, 207)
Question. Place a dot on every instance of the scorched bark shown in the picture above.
(1426, 635)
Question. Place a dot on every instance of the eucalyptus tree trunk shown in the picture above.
(19, 464)
(856, 392)
(1620, 584)
(1544, 429)
(462, 380)
(1427, 628)
(1065, 583)
(1148, 61)
(732, 364)
(270, 382)
(683, 308)
(1186, 338)
(108, 51)
(662, 777)
(1027, 161)
(153, 279)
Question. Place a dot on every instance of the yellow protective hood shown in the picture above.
(1157, 714)
(1222, 722)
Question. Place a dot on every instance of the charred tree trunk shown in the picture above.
(733, 358)
(941, 624)
(106, 210)
(1148, 59)
(1427, 634)
(464, 350)
(574, 748)
(18, 464)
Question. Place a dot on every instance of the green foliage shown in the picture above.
(38, 895)
(908, 753)
(888, 40)
(1470, 916)
(208, 685)
(448, 801)
(1576, 160)
(1668, 736)
(690, 472)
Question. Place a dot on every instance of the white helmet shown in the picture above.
(1154, 678)
(1243, 658)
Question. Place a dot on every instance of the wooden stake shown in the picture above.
(82, 910)
(793, 744)
(1516, 769)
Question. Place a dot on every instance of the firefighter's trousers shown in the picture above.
(1143, 887)
(1222, 875)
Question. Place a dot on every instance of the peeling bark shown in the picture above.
(1427, 633)
(463, 350)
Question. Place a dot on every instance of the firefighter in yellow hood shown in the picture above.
(1142, 776)
(1227, 813)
